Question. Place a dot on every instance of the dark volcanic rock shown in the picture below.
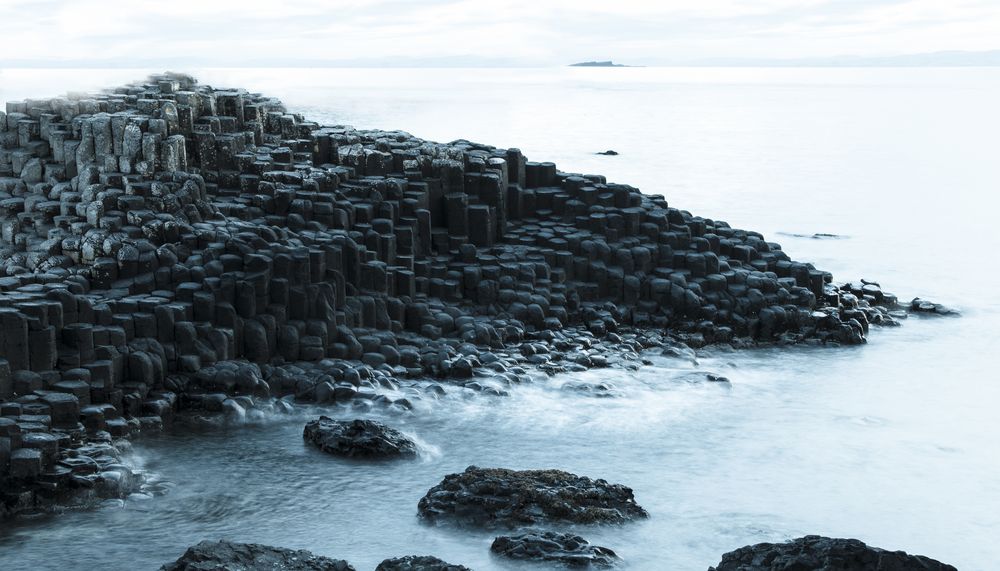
(358, 438)
(497, 497)
(229, 556)
(168, 245)
(565, 548)
(925, 307)
(813, 552)
(418, 563)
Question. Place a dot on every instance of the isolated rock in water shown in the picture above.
(930, 308)
(566, 548)
(609, 152)
(229, 556)
(497, 497)
(813, 552)
(358, 438)
(418, 563)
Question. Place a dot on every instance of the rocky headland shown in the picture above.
(167, 246)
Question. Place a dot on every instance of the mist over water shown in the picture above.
(894, 443)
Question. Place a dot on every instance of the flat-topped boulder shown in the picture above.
(816, 553)
(502, 498)
(231, 556)
(418, 563)
(549, 546)
(358, 439)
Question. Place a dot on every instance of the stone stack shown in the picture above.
(163, 229)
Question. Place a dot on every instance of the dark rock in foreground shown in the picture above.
(418, 563)
(565, 548)
(358, 438)
(229, 556)
(497, 497)
(813, 552)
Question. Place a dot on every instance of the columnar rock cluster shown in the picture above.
(166, 239)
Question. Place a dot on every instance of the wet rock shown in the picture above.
(602, 389)
(358, 439)
(549, 546)
(418, 563)
(815, 553)
(678, 350)
(230, 556)
(925, 307)
(502, 498)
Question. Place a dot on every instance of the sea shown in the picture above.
(896, 442)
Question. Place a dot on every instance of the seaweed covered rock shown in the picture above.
(502, 498)
(358, 438)
(230, 556)
(548, 546)
(418, 563)
(816, 553)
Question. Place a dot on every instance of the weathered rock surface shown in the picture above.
(418, 563)
(502, 498)
(230, 556)
(815, 553)
(358, 438)
(548, 546)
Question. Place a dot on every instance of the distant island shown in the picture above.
(608, 63)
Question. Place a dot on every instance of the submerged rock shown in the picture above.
(358, 438)
(565, 548)
(813, 552)
(498, 497)
(926, 307)
(418, 563)
(229, 556)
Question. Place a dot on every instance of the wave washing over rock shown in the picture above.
(166, 245)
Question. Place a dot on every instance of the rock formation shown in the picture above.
(815, 553)
(358, 439)
(229, 556)
(548, 546)
(167, 244)
(418, 563)
(501, 498)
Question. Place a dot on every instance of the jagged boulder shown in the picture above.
(230, 556)
(816, 553)
(358, 439)
(502, 498)
(548, 546)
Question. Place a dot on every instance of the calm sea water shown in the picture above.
(896, 443)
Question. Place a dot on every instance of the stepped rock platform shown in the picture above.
(167, 245)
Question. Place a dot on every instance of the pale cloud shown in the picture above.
(541, 32)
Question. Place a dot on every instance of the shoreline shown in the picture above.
(163, 241)
(170, 247)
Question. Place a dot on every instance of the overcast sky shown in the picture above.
(504, 32)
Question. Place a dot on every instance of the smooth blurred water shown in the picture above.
(895, 443)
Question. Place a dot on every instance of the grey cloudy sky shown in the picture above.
(503, 32)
